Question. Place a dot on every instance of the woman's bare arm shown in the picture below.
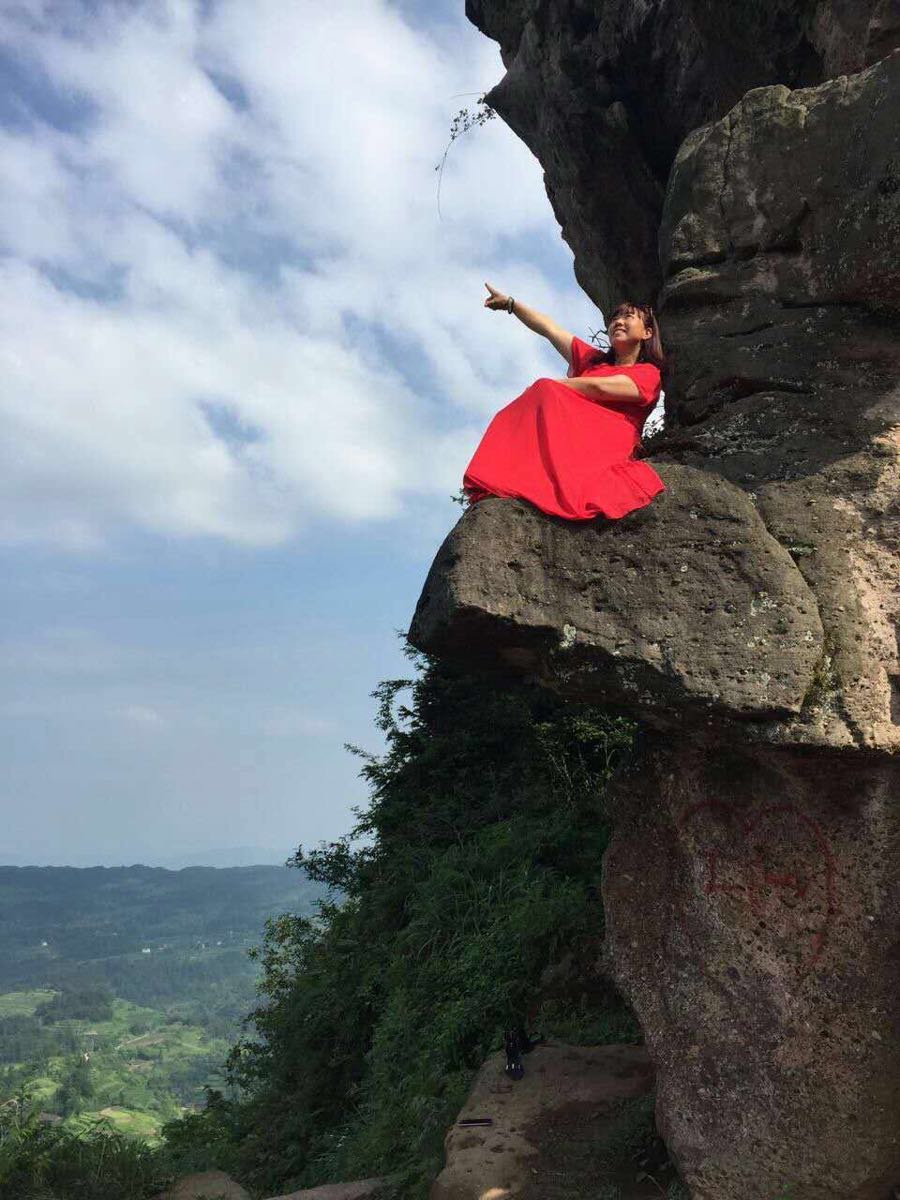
(539, 322)
(609, 387)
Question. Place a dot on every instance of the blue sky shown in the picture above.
(244, 363)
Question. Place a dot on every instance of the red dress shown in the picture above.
(569, 455)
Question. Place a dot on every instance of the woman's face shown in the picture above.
(627, 330)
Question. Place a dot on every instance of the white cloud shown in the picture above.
(227, 306)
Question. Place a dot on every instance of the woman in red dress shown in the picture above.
(567, 445)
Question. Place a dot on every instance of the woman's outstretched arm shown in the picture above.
(560, 338)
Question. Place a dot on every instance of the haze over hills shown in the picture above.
(237, 856)
(229, 856)
(66, 925)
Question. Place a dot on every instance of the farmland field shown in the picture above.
(124, 988)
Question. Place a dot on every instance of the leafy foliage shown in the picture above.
(462, 123)
(464, 894)
(46, 1162)
(83, 1004)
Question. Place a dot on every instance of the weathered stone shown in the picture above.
(676, 610)
(752, 905)
(605, 91)
(781, 239)
(359, 1189)
(793, 196)
(497, 1162)
(205, 1185)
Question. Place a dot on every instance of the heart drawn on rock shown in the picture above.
(770, 871)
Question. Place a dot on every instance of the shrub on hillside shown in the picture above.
(39, 1161)
(471, 873)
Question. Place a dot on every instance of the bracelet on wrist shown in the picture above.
(510, 304)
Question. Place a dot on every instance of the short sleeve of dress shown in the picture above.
(583, 356)
(648, 380)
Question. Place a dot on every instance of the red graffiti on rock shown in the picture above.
(778, 863)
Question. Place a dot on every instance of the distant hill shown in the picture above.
(151, 934)
(122, 988)
(227, 856)
(235, 856)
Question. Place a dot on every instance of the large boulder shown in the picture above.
(781, 247)
(750, 616)
(792, 196)
(752, 905)
(676, 610)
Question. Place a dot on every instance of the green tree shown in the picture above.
(470, 875)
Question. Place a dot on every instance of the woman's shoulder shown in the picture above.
(584, 356)
(648, 378)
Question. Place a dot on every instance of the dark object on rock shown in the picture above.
(514, 1067)
(573, 1083)
(517, 1042)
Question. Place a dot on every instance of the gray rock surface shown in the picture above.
(216, 1185)
(745, 161)
(752, 905)
(677, 610)
(781, 246)
(205, 1185)
(358, 1189)
(605, 91)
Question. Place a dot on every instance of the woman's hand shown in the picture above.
(496, 300)
(560, 338)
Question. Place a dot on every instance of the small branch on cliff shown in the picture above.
(600, 338)
(462, 123)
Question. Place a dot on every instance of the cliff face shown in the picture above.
(604, 92)
(741, 166)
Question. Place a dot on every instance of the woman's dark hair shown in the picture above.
(652, 349)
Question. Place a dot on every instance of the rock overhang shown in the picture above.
(685, 610)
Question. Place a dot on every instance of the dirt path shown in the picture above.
(600, 1155)
(578, 1126)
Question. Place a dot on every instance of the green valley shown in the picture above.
(123, 989)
